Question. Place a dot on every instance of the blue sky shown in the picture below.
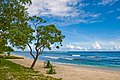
(87, 24)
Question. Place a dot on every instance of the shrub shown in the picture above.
(51, 70)
(47, 64)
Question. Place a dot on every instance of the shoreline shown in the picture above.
(75, 65)
(70, 72)
(88, 66)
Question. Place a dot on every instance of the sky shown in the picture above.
(87, 24)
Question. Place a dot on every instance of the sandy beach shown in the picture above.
(68, 72)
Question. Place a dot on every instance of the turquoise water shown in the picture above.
(96, 58)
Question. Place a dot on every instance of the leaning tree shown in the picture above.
(44, 37)
(39, 35)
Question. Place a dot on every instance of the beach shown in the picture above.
(71, 72)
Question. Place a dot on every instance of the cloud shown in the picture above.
(116, 46)
(110, 11)
(106, 2)
(74, 47)
(118, 17)
(69, 46)
(96, 45)
(63, 12)
(118, 9)
(62, 8)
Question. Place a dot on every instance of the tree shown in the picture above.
(44, 37)
(13, 15)
(15, 28)
(2, 45)
(9, 50)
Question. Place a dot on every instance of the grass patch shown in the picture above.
(12, 71)
(10, 57)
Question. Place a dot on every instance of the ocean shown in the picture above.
(105, 59)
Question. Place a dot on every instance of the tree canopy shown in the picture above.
(13, 16)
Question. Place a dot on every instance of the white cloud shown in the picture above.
(69, 46)
(106, 2)
(86, 46)
(62, 12)
(110, 11)
(52, 46)
(53, 7)
(116, 45)
(94, 21)
(96, 45)
(112, 43)
(118, 9)
(95, 15)
(118, 17)
(74, 47)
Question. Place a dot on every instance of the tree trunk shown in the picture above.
(33, 64)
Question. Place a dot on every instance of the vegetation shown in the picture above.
(50, 67)
(9, 50)
(12, 71)
(20, 30)
(41, 36)
(10, 57)
(51, 70)
(13, 17)
(2, 45)
(47, 64)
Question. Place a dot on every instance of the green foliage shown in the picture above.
(51, 70)
(12, 71)
(10, 57)
(2, 45)
(8, 50)
(46, 35)
(50, 67)
(21, 30)
(47, 64)
(49, 35)
(21, 36)
(13, 16)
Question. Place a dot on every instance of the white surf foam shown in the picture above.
(51, 57)
(75, 55)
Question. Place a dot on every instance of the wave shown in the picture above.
(51, 57)
(114, 57)
(58, 58)
(67, 58)
(74, 55)
(93, 57)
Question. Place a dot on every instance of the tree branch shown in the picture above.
(41, 50)
(31, 51)
(37, 24)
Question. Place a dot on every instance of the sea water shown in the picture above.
(110, 59)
